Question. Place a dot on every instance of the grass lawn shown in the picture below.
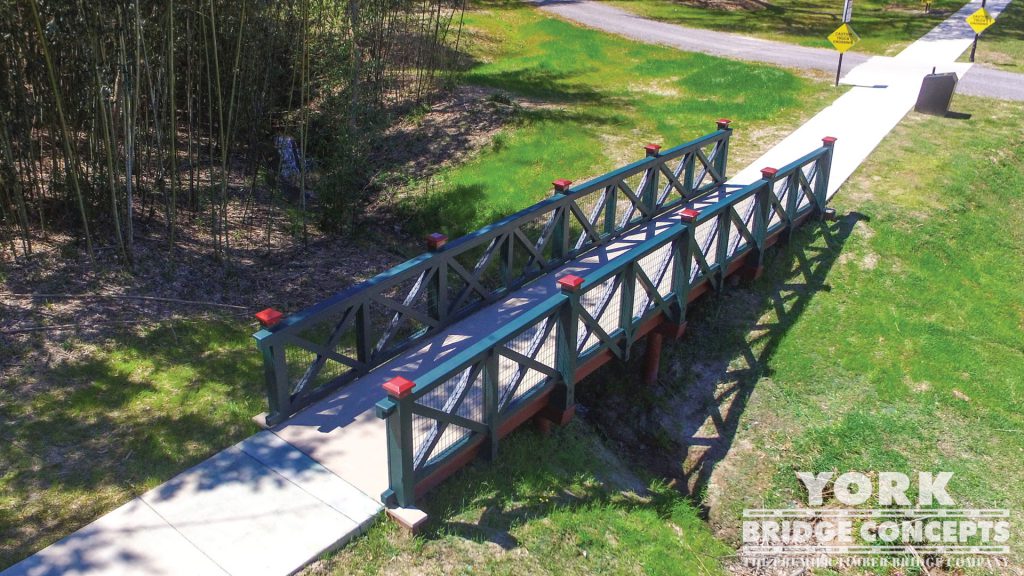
(884, 26)
(588, 103)
(110, 419)
(892, 340)
(1002, 45)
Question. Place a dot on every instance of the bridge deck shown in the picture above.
(342, 431)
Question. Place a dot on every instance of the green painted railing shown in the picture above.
(310, 353)
(467, 403)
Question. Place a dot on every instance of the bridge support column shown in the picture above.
(655, 343)
(550, 417)
(652, 357)
(752, 270)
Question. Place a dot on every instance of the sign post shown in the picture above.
(844, 37)
(979, 21)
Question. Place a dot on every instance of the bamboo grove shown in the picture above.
(116, 112)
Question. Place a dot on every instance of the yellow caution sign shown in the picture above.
(843, 38)
(980, 20)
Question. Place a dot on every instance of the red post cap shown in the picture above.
(398, 387)
(652, 149)
(436, 241)
(723, 123)
(688, 215)
(268, 317)
(769, 173)
(561, 185)
(829, 140)
(570, 282)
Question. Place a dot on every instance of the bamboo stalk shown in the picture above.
(70, 165)
(172, 205)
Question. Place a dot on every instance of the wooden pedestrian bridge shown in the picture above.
(397, 382)
(379, 393)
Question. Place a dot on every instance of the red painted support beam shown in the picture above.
(652, 357)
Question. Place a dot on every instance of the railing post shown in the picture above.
(560, 235)
(722, 158)
(506, 261)
(610, 216)
(275, 369)
(682, 264)
(650, 192)
(824, 173)
(792, 201)
(396, 411)
(689, 173)
(722, 255)
(491, 393)
(437, 289)
(563, 399)
(627, 294)
(364, 334)
(754, 267)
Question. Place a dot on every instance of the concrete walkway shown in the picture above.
(974, 80)
(884, 90)
(275, 501)
(259, 507)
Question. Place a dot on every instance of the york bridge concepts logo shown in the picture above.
(930, 531)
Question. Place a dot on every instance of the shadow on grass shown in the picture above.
(538, 82)
(458, 209)
(535, 476)
(452, 210)
(681, 429)
(120, 419)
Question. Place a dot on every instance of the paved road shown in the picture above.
(978, 81)
(981, 81)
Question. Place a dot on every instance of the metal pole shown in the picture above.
(839, 69)
(974, 46)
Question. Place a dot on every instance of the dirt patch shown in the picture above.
(999, 60)
(727, 5)
(917, 10)
(919, 387)
(869, 261)
(451, 131)
(659, 87)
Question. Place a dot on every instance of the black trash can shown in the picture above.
(936, 93)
